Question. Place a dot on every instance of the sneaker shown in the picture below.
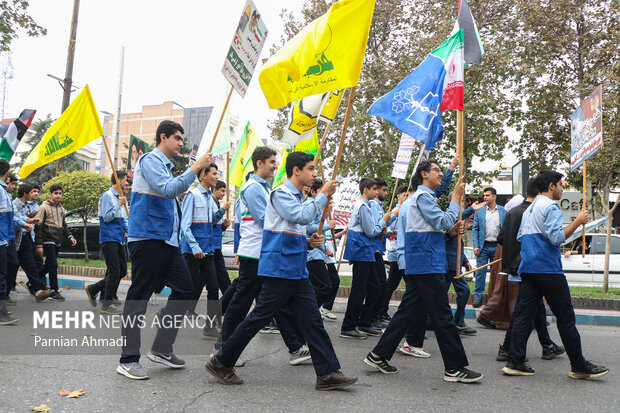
(477, 303)
(300, 356)
(335, 380)
(116, 302)
(111, 310)
(590, 371)
(466, 330)
(134, 371)
(462, 375)
(552, 351)
(386, 317)
(170, 360)
(270, 328)
(413, 351)
(57, 296)
(485, 323)
(328, 315)
(370, 331)
(502, 354)
(380, 364)
(518, 369)
(44, 294)
(210, 333)
(380, 325)
(353, 334)
(7, 319)
(223, 374)
(92, 298)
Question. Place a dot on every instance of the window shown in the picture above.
(601, 241)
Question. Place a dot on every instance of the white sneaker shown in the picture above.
(302, 355)
(408, 350)
(328, 314)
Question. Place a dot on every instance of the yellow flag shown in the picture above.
(325, 55)
(331, 106)
(78, 125)
(310, 146)
(241, 163)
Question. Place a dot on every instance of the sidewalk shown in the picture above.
(583, 316)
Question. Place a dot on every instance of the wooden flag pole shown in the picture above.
(459, 151)
(219, 123)
(329, 213)
(227, 183)
(476, 269)
(393, 195)
(344, 241)
(319, 151)
(583, 235)
(417, 162)
(347, 117)
(118, 184)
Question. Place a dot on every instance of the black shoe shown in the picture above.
(116, 302)
(477, 303)
(386, 317)
(551, 352)
(92, 298)
(380, 364)
(111, 310)
(380, 324)
(170, 360)
(370, 331)
(353, 334)
(223, 374)
(335, 380)
(466, 330)
(518, 369)
(485, 323)
(502, 355)
(590, 371)
(462, 375)
(58, 297)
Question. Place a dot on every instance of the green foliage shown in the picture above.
(43, 174)
(14, 16)
(81, 193)
(181, 161)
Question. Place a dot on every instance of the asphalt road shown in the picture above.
(272, 385)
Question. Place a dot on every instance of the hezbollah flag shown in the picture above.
(310, 146)
(241, 162)
(305, 114)
(325, 55)
(78, 125)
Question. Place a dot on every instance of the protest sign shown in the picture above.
(344, 201)
(586, 129)
(403, 156)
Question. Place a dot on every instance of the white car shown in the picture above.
(588, 270)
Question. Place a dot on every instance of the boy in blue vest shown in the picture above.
(153, 238)
(283, 269)
(425, 268)
(112, 231)
(360, 251)
(541, 235)
(219, 226)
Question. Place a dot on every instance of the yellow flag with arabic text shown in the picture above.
(241, 162)
(78, 125)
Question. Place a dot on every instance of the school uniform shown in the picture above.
(282, 266)
(377, 210)
(223, 279)
(332, 270)
(317, 269)
(35, 283)
(8, 255)
(394, 276)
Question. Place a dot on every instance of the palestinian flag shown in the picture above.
(12, 133)
(471, 38)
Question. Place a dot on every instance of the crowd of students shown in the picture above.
(286, 268)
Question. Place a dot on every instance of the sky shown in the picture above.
(174, 51)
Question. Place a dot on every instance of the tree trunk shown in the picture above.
(610, 215)
(84, 240)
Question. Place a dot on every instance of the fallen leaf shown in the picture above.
(41, 408)
(67, 287)
(21, 283)
(76, 393)
(63, 393)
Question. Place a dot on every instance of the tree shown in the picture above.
(181, 161)
(43, 174)
(81, 193)
(14, 16)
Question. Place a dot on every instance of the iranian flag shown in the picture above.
(12, 133)
(451, 53)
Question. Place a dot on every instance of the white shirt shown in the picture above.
(491, 224)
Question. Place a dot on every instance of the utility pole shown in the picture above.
(117, 115)
(68, 81)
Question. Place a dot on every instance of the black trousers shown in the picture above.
(390, 286)
(335, 282)
(425, 290)
(203, 275)
(228, 295)
(319, 278)
(362, 303)
(555, 290)
(223, 279)
(153, 263)
(115, 255)
(51, 265)
(539, 323)
(382, 280)
(26, 261)
(248, 288)
(12, 266)
(298, 297)
(7, 257)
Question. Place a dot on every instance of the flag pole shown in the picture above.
(344, 241)
(393, 195)
(329, 213)
(227, 182)
(583, 235)
(347, 117)
(417, 162)
(219, 123)
(318, 151)
(118, 183)
(459, 151)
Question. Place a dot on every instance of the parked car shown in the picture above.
(588, 270)
(92, 236)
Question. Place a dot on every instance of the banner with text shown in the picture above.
(344, 200)
(586, 129)
(403, 156)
